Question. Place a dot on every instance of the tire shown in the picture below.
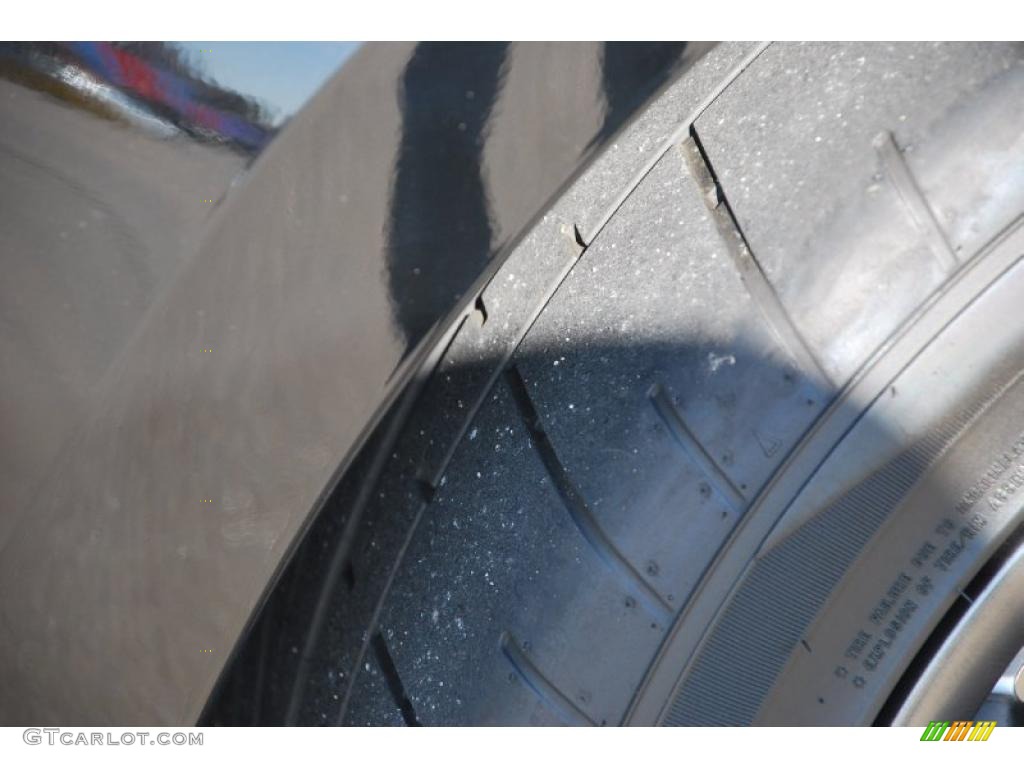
(725, 438)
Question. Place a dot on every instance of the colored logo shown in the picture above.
(960, 730)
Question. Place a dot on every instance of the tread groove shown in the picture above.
(432, 469)
(921, 213)
(393, 679)
(691, 446)
(371, 628)
(546, 691)
(753, 277)
(652, 160)
(578, 509)
(340, 567)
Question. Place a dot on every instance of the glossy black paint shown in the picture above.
(440, 232)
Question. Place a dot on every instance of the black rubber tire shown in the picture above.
(635, 487)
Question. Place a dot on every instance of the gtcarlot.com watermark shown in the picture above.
(73, 738)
